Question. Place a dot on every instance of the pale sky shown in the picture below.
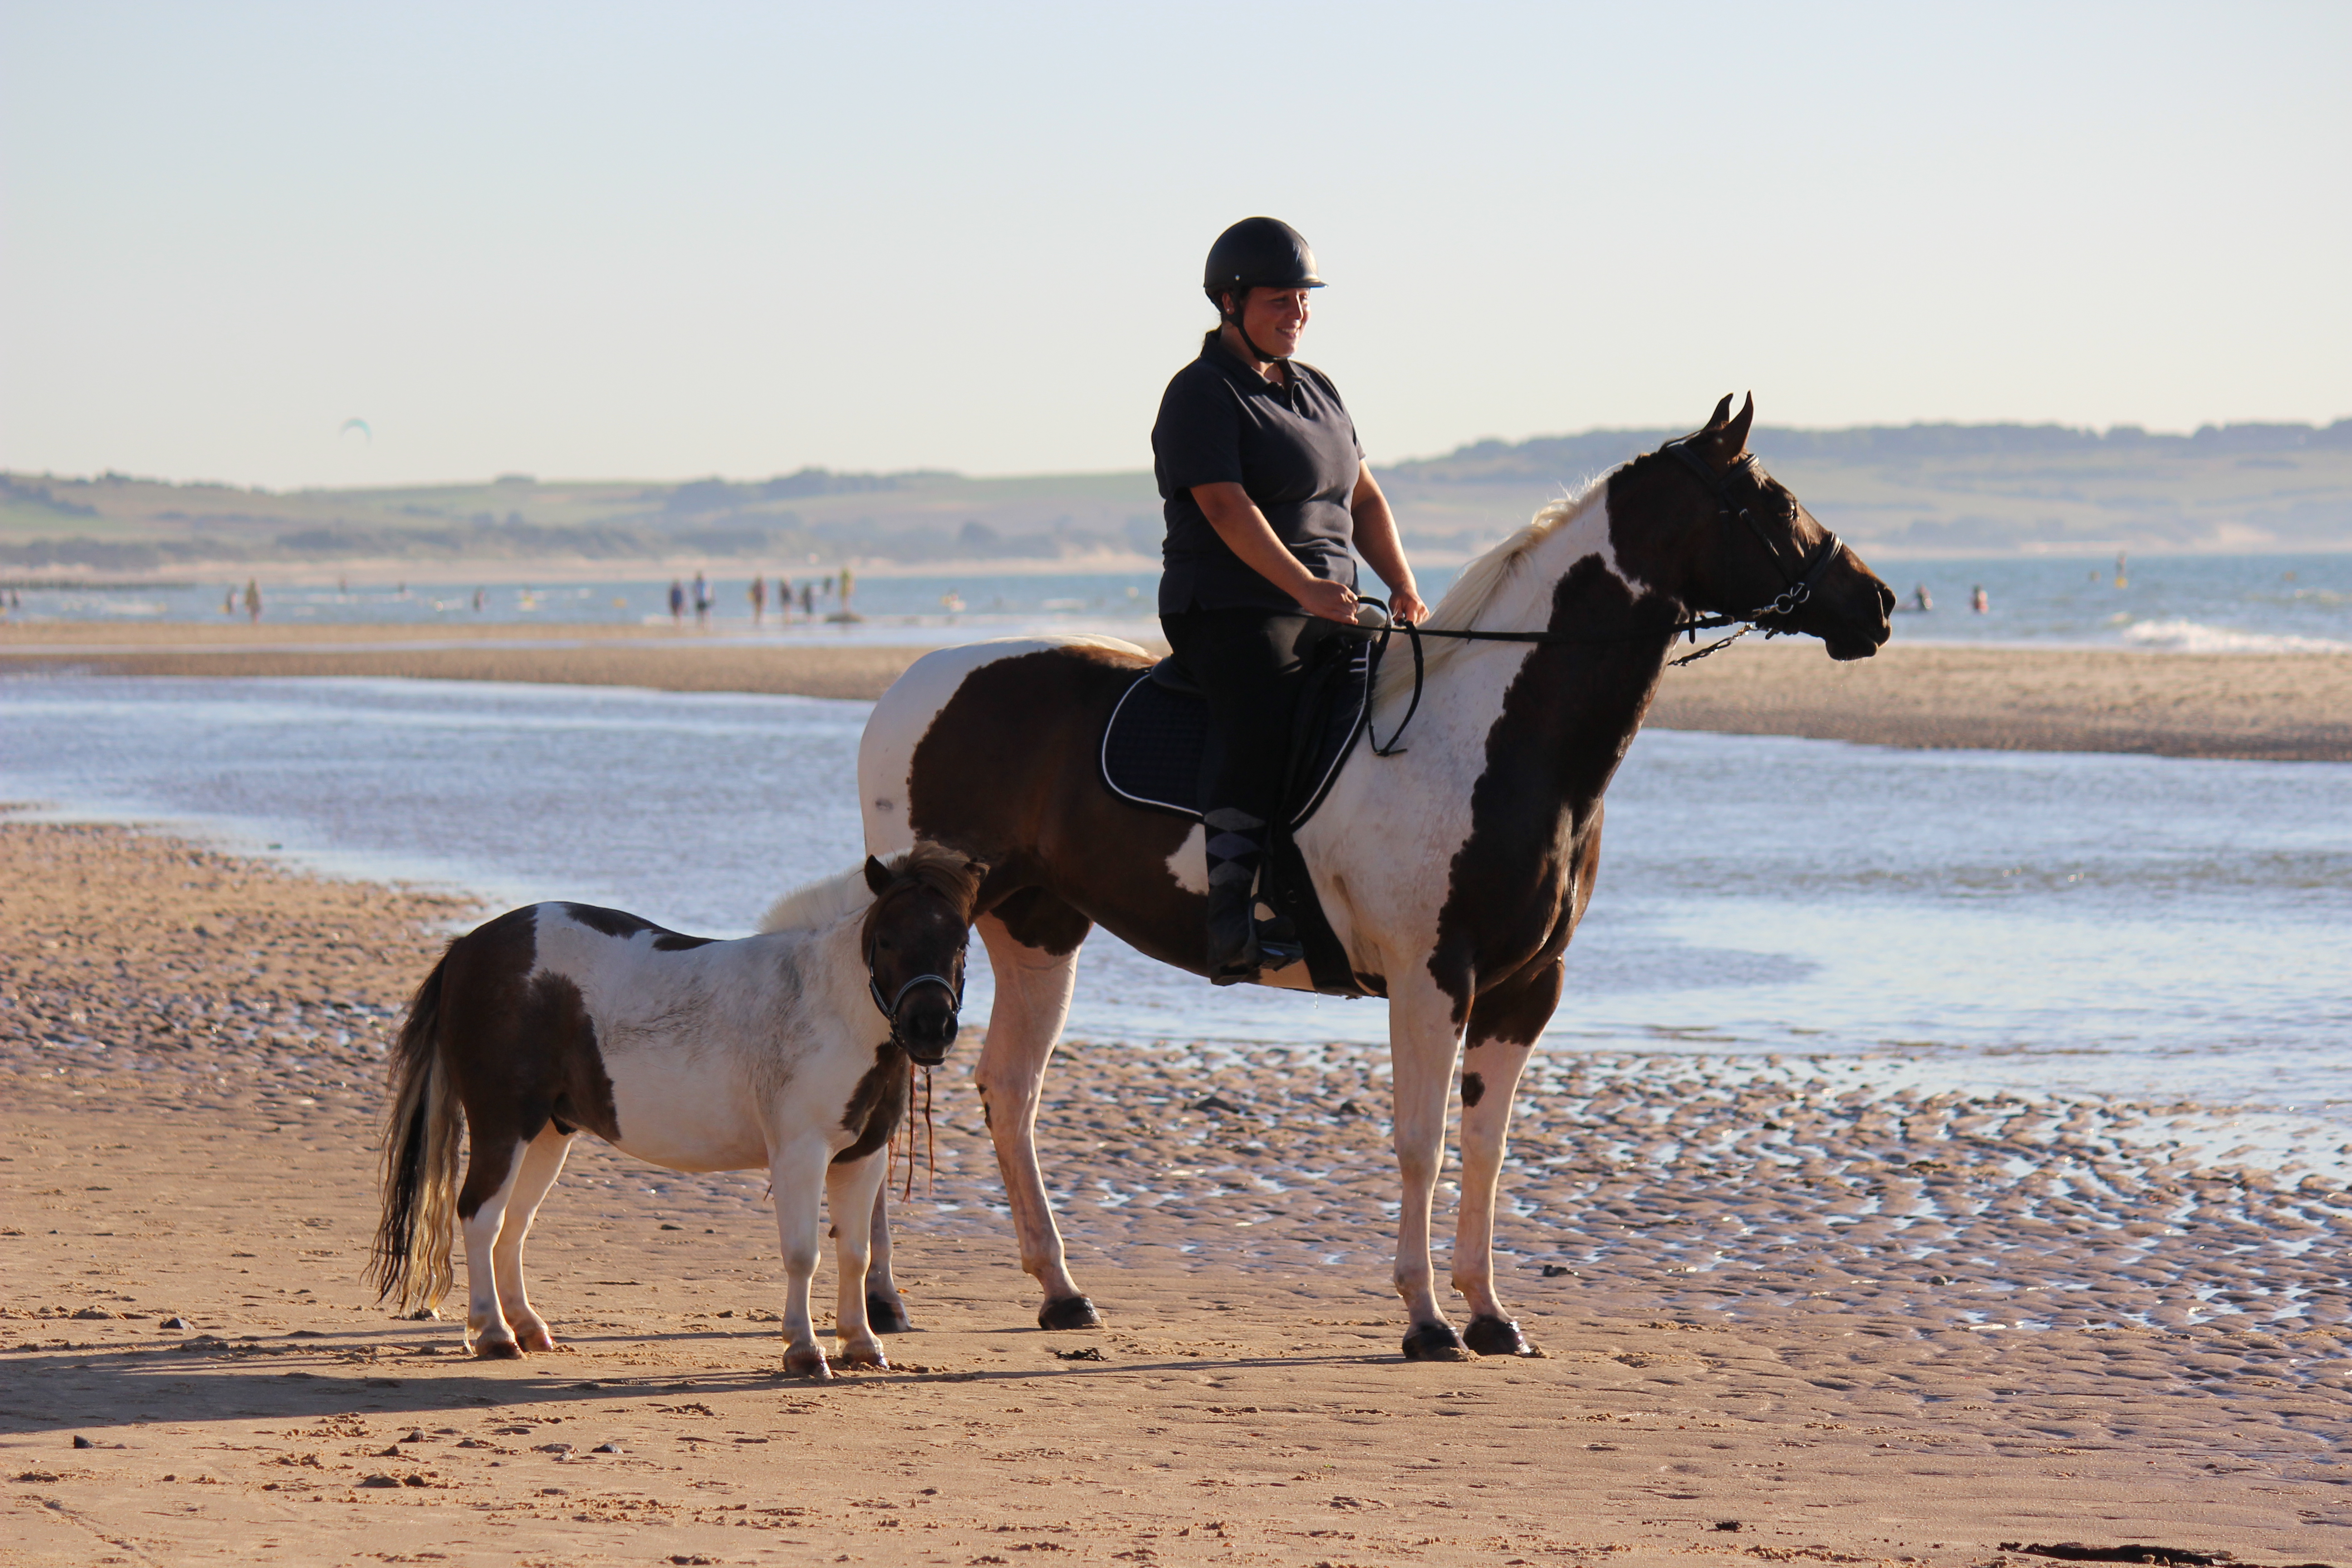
(668, 240)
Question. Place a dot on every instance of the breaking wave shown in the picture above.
(2196, 636)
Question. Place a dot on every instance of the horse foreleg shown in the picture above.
(796, 1171)
(543, 1162)
(851, 1190)
(1033, 998)
(491, 1163)
(1490, 1077)
(886, 1310)
(1423, 1039)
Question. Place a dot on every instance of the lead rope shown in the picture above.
(930, 1144)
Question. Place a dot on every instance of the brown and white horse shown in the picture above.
(1454, 871)
(789, 1050)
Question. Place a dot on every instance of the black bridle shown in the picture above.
(890, 1006)
(1770, 618)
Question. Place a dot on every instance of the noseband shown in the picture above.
(889, 1006)
(1799, 585)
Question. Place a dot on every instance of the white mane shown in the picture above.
(820, 903)
(1475, 592)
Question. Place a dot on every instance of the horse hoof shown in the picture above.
(1499, 1336)
(1069, 1313)
(536, 1341)
(1433, 1341)
(885, 1316)
(808, 1363)
(872, 1360)
(497, 1350)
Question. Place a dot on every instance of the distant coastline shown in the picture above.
(1922, 491)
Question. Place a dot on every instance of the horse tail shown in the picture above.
(420, 1161)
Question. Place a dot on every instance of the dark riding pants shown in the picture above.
(1251, 664)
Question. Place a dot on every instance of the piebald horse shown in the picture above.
(789, 1050)
(1454, 871)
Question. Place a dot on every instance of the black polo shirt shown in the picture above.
(1293, 450)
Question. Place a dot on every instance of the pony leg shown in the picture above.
(543, 1162)
(851, 1189)
(491, 1168)
(886, 1310)
(1490, 1077)
(1033, 998)
(1423, 1040)
(797, 1171)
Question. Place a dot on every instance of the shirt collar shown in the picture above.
(1213, 350)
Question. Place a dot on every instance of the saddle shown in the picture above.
(1151, 757)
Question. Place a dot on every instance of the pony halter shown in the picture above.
(1799, 585)
(890, 1006)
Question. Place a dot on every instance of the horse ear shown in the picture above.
(1726, 438)
(878, 876)
(1736, 435)
(1715, 420)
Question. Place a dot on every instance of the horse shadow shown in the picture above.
(310, 1377)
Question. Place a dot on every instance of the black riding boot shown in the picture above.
(1236, 846)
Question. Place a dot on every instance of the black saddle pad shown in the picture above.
(1152, 749)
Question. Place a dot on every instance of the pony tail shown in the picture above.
(412, 1261)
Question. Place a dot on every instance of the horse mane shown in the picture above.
(819, 903)
(953, 876)
(1482, 582)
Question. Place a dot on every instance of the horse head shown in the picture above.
(1724, 536)
(913, 938)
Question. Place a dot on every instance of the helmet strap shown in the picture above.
(1233, 320)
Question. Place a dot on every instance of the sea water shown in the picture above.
(2146, 927)
(2166, 603)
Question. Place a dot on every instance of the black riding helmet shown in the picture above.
(1257, 252)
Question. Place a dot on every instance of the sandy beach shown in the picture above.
(2275, 706)
(1788, 1318)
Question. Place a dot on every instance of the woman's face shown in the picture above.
(1275, 318)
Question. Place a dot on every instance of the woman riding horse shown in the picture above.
(1268, 501)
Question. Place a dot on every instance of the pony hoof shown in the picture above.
(871, 1359)
(808, 1363)
(536, 1341)
(887, 1317)
(1069, 1313)
(1433, 1341)
(1498, 1336)
(497, 1350)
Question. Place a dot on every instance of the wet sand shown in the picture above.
(2277, 707)
(1791, 1316)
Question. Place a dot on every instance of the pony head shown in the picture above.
(914, 938)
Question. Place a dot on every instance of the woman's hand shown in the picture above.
(1332, 601)
(1405, 605)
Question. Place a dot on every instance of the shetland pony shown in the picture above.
(790, 1050)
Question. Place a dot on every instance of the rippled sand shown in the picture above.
(1854, 1321)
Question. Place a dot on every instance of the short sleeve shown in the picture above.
(1197, 439)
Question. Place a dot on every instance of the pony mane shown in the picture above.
(819, 903)
(953, 876)
(1482, 582)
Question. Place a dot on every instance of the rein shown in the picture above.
(1797, 591)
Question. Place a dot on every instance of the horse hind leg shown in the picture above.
(491, 1164)
(1032, 999)
(542, 1162)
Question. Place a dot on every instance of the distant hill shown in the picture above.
(1902, 489)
